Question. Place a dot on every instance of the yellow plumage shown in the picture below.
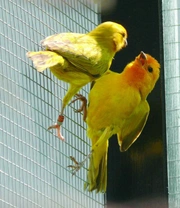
(80, 58)
(118, 105)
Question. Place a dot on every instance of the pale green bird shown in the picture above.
(79, 58)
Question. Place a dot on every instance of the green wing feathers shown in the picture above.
(46, 59)
(133, 126)
(81, 50)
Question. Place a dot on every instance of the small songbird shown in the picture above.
(117, 105)
(79, 58)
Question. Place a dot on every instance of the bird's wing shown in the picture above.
(133, 126)
(80, 50)
(45, 59)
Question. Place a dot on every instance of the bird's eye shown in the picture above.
(123, 34)
(150, 69)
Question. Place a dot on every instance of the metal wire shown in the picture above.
(171, 31)
(33, 162)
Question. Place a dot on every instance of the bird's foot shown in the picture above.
(78, 165)
(58, 127)
(83, 107)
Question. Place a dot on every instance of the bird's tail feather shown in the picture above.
(45, 59)
(97, 173)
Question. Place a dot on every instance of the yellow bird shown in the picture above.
(117, 105)
(79, 58)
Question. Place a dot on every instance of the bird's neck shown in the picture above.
(135, 77)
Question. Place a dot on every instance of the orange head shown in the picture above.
(143, 73)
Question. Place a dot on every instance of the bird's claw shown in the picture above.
(75, 167)
(78, 165)
(58, 127)
(83, 107)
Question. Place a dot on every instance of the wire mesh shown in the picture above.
(171, 31)
(33, 164)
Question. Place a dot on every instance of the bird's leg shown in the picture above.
(58, 126)
(78, 165)
(83, 107)
(108, 132)
(73, 89)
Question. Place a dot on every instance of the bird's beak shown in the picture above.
(125, 42)
(142, 58)
(142, 55)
